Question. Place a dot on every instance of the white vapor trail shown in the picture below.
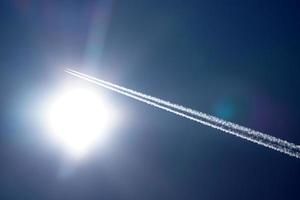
(212, 121)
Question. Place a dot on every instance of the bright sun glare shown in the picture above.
(79, 118)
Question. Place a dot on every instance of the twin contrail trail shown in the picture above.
(194, 115)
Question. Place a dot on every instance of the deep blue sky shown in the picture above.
(238, 60)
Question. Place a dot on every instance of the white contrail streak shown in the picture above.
(214, 122)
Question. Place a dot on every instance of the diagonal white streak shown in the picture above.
(212, 121)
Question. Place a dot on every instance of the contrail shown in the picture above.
(212, 121)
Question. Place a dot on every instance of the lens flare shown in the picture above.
(79, 118)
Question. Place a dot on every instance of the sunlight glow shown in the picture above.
(79, 118)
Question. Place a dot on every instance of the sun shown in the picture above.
(79, 118)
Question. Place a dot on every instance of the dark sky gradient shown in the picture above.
(238, 60)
